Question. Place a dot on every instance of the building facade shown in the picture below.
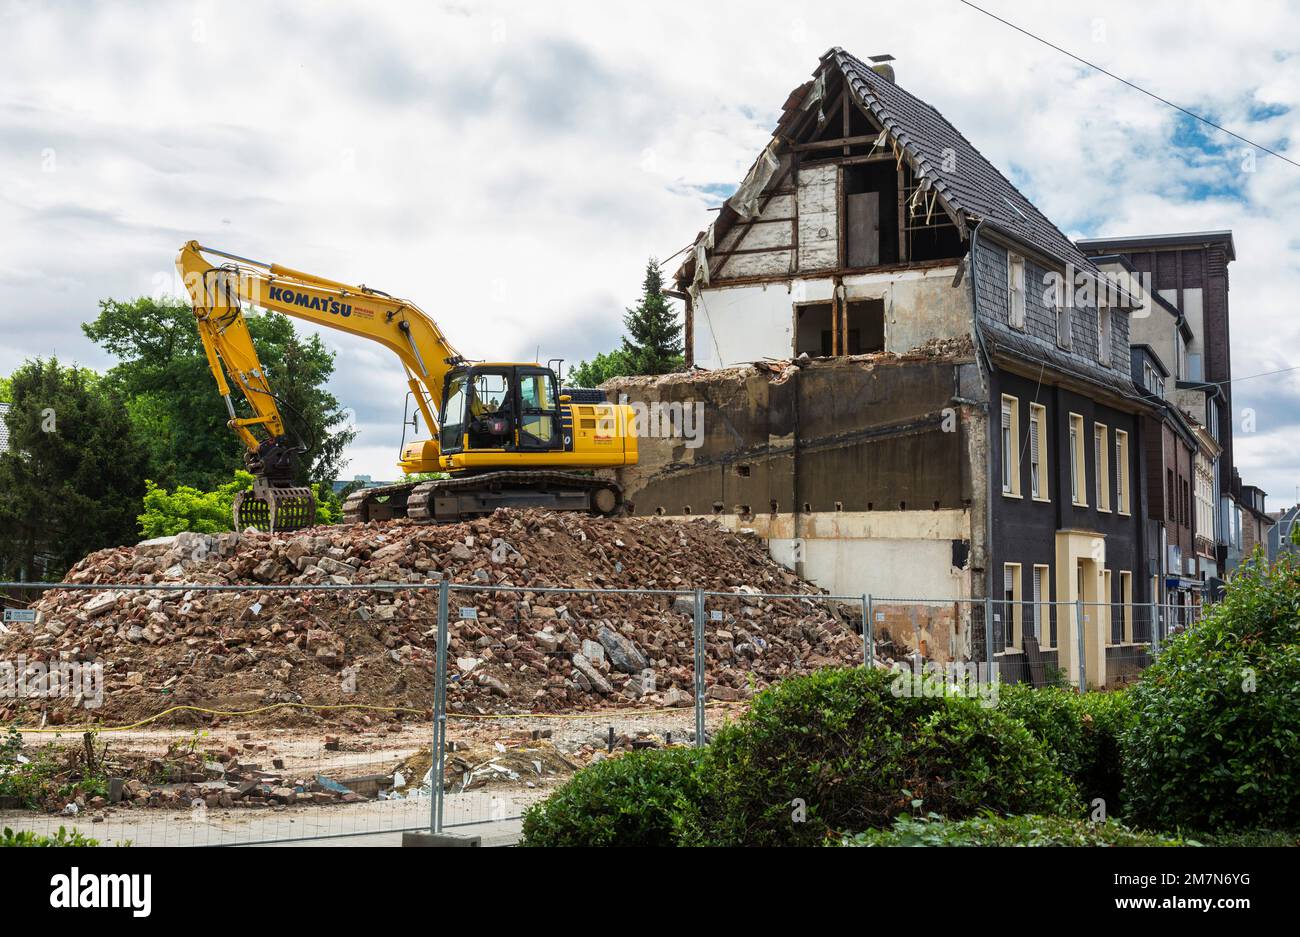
(911, 383)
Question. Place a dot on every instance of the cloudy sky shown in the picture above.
(510, 167)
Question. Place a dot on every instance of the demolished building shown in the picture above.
(951, 413)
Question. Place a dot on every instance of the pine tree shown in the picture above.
(73, 477)
(654, 340)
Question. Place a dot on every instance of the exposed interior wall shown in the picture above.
(741, 324)
(858, 471)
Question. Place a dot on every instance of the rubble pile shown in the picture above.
(510, 651)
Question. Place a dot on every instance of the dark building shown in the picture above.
(1188, 274)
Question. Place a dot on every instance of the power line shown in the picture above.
(1135, 87)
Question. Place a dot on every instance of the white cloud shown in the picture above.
(510, 167)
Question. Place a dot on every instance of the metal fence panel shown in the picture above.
(497, 695)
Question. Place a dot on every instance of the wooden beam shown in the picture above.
(845, 141)
(902, 216)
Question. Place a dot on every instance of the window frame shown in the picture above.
(1126, 601)
(1101, 456)
(1107, 606)
(1009, 438)
(1123, 492)
(1104, 333)
(1038, 474)
(1013, 621)
(1064, 317)
(1078, 463)
(1042, 604)
(1016, 302)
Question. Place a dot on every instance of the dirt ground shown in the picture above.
(494, 769)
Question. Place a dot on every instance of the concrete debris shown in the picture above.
(519, 651)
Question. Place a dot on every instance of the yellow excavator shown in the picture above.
(504, 433)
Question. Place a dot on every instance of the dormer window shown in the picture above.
(1103, 333)
(1064, 338)
(1016, 291)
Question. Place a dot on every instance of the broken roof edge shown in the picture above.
(777, 370)
(854, 72)
(860, 68)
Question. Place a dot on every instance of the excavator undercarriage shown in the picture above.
(462, 497)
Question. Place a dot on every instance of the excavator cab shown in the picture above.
(502, 408)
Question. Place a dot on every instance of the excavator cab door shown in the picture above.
(539, 410)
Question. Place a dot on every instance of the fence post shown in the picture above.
(1155, 628)
(1081, 644)
(868, 633)
(988, 634)
(438, 762)
(699, 668)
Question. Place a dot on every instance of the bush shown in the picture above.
(635, 799)
(840, 751)
(1251, 839)
(61, 838)
(167, 513)
(1215, 742)
(1081, 730)
(1007, 831)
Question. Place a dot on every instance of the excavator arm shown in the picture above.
(218, 291)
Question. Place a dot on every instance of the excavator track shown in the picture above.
(448, 500)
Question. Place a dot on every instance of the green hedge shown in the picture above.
(841, 750)
(1215, 741)
(62, 838)
(1008, 831)
(1083, 731)
(636, 799)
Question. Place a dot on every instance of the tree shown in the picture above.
(163, 374)
(598, 370)
(652, 346)
(654, 339)
(6, 390)
(72, 479)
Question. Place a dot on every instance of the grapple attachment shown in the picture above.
(271, 508)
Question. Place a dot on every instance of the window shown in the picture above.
(1204, 498)
(1121, 471)
(1011, 609)
(1171, 496)
(1103, 333)
(1126, 597)
(1016, 291)
(1063, 317)
(1010, 446)
(1152, 380)
(1101, 462)
(1038, 451)
(1078, 472)
(1041, 607)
